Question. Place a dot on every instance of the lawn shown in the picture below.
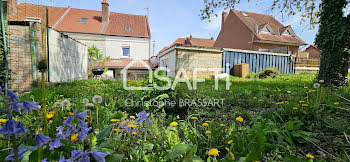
(287, 118)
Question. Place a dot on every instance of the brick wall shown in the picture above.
(313, 53)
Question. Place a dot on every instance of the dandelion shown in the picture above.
(310, 156)
(49, 116)
(306, 87)
(51, 112)
(66, 103)
(71, 114)
(174, 124)
(317, 85)
(64, 117)
(240, 119)
(294, 108)
(289, 92)
(74, 137)
(58, 104)
(116, 130)
(115, 120)
(254, 98)
(213, 152)
(60, 100)
(132, 117)
(229, 142)
(280, 103)
(304, 105)
(336, 103)
(321, 81)
(194, 118)
(208, 132)
(301, 101)
(132, 126)
(222, 125)
(50, 121)
(134, 133)
(3, 120)
(97, 99)
(85, 101)
(89, 105)
(208, 121)
(205, 124)
(232, 156)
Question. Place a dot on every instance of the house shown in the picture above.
(122, 37)
(256, 32)
(190, 53)
(313, 52)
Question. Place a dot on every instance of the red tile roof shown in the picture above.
(67, 19)
(261, 20)
(190, 41)
(122, 63)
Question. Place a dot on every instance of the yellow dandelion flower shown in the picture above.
(227, 148)
(116, 130)
(232, 156)
(301, 101)
(270, 95)
(208, 132)
(74, 137)
(134, 133)
(310, 156)
(115, 120)
(40, 129)
(213, 152)
(306, 87)
(88, 116)
(336, 103)
(64, 117)
(59, 100)
(229, 142)
(49, 116)
(304, 105)
(50, 121)
(222, 125)
(51, 112)
(174, 124)
(254, 98)
(208, 121)
(205, 124)
(3, 120)
(194, 118)
(294, 108)
(240, 119)
(132, 126)
(280, 103)
(71, 114)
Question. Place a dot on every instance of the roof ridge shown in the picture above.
(42, 5)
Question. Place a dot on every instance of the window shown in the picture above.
(244, 14)
(267, 29)
(126, 51)
(83, 20)
(287, 32)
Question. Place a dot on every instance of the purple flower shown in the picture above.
(11, 157)
(12, 127)
(41, 140)
(85, 157)
(99, 156)
(123, 126)
(12, 95)
(85, 130)
(28, 106)
(82, 115)
(15, 105)
(75, 154)
(60, 131)
(142, 116)
(82, 124)
(55, 144)
(68, 121)
(44, 160)
(62, 159)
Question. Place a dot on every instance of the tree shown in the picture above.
(332, 38)
(95, 56)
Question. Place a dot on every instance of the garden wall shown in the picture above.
(68, 58)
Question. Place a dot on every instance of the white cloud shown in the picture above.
(214, 24)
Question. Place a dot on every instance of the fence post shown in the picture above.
(5, 44)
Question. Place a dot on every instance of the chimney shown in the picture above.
(223, 18)
(105, 12)
(191, 37)
(12, 7)
(212, 38)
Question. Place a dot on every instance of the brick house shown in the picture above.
(256, 32)
(122, 37)
(189, 53)
(313, 52)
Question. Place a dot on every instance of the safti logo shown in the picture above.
(181, 76)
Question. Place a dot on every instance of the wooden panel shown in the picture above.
(241, 70)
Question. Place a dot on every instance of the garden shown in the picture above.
(282, 118)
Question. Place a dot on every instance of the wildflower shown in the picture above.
(50, 121)
(58, 104)
(213, 152)
(321, 81)
(11, 157)
(59, 100)
(99, 156)
(205, 124)
(55, 144)
(12, 95)
(82, 115)
(12, 127)
(240, 119)
(28, 106)
(301, 101)
(70, 113)
(232, 156)
(97, 99)
(208, 132)
(254, 98)
(194, 118)
(304, 105)
(89, 105)
(336, 103)
(116, 130)
(174, 124)
(294, 108)
(64, 117)
(15, 106)
(306, 87)
(3, 120)
(142, 116)
(222, 125)
(317, 85)
(66, 103)
(41, 140)
(289, 92)
(85, 101)
(280, 103)
(115, 120)
(49, 116)
(134, 133)
(132, 117)
(208, 121)
(51, 112)
(310, 156)
(74, 137)
(132, 126)
(229, 142)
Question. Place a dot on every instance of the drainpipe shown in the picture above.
(5, 43)
(47, 45)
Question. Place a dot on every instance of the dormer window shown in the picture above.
(83, 20)
(288, 33)
(267, 29)
(244, 14)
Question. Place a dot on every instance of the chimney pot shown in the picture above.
(105, 12)
(212, 38)
(223, 18)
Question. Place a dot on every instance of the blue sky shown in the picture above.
(171, 19)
